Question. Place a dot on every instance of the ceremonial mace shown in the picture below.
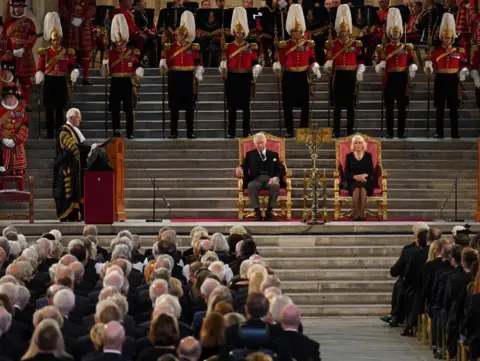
(313, 187)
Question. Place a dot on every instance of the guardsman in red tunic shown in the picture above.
(122, 65)
(78, 15)
(449, 64)
(13, 131)
(395, 65)
(22, 35)
(240, 70)
(56, 65)
(345, 64)
(296, 58)
(182, 61)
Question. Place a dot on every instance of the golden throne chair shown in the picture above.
(274, 144)
(341, 196)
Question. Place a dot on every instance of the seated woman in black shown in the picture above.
(358, 174)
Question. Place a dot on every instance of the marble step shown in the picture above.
(339, 298)
(346, 310)
(330, 262)
(337, 286)
(334, 274)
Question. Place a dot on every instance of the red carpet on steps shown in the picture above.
(230, 220)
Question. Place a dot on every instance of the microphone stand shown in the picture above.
(453, 188)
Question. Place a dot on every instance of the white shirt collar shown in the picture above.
(290, 329)
(9, 107)
(106, 350)
(80, 136)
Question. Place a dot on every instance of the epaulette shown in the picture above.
(379, 48)
(42, 51)
(195, 46)
(254, 46)
(311, 44)
(282, 44)
(328, 44)
(167, 46)
(71, 52)
(409, 46)
(359, 44)
(136, 52)
(461, 50)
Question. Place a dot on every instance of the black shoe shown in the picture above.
(172, 136)
(130, 136)
(386, 319)
(192, 136)
(439, 354)
(438, 136)
(229, 136)
(288, 135)
(407, 332)
(456, 136)
(86, 81)
(393, 323)
(117, 133)
(389, 136)
(269, 216)
(402, 136)
(258, 215)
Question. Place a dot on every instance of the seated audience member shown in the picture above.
(163, 335)
(241, 336)
(359, 176)
(64, 301)
(233, 319)
(221, 248)
(102, 255)
(189, 349)
(11, 346)
(113, 338)
(47, 343)
(96, 336)
(293, 344)
(212, 335)
(472, 321)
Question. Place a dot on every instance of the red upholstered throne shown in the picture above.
(17, 195)
(274, 144)
(341, 196)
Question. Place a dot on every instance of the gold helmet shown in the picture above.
(295, 19)
(52, 28)
(239, 21)
(343, 21)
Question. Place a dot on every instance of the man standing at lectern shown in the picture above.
(68, 169)
(261, 170)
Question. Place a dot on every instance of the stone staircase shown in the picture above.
(91, 100)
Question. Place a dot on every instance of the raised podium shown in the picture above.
(115, 149)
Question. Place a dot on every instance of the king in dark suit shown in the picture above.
(261, 169)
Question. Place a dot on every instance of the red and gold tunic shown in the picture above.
(22, 34)
(296, 56)
(463, 18)
(344, 56)
(397, 56)
(122, 63)
(79, 37)
(448, 61)
(182, 57)
(133, 29)
(5, 45)
(56, 63)
(14, 125)
(240, 58)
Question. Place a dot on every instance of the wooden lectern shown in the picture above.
(116, 155)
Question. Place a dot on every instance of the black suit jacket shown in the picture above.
(252, 162)
(11, 346)
(84, 346)
(398, 269)
(428, 277)
(294, 345)
(441, 286)
(128, 323)
(72, 330)
(472, 326)
(109, 357)
(456, 295)
(413, 272)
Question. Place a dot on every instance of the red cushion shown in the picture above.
(264, 192)
(7, 196)
(376, 192)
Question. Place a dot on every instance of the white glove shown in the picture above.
(282, 4)
(222, 69)
(18, 53)
(412, 70)
(316, 70)
(383, 64)
(105, 61)
(74, 75)
(380, 66)
(163, 64)
(39, 75)
(77, 22)
(257, 70)
(361, 68)
(327, 67)
(463, 74)
(476, 78)
(277, 68)
(199, 70)
(94, 145)
(428, 67)
(10, 143)
(2, 169)
(140, 72)
(359, 76)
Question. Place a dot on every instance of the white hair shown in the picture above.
(57, 234)
(169, 259)
(121, 251)
(22, 240)
(30, 252)
(23, 296)
(171, 301)
(157, 286)
(121, 302)
(209, 258)
(419, 226)
(73, 243)
(5, 320)
(64, 301)
(208, 286)
(78, 270)
(277, 305)
(104, 304)
(125, 233)
(121, 240)
(218, 269)
(220, 243)
(10, 290)
(244, 268)
(358, 138)
(238, 229)
(258, 136)
(72, 112)
(114, 279)
(15, 248)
